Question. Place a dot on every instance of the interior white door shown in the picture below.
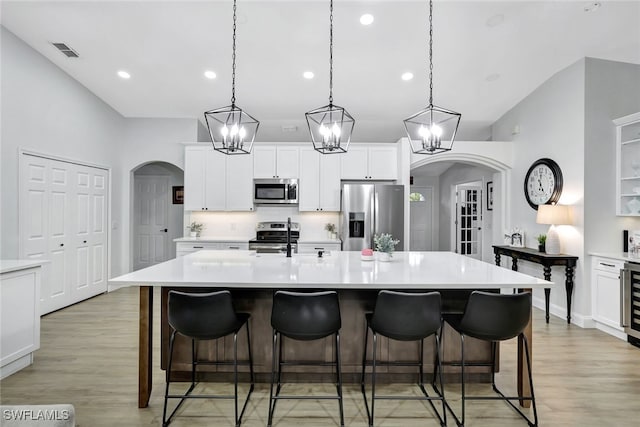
(421, 218)
(151, 223)
(63, 219)
(469, 220)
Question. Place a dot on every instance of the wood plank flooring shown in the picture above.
(88, 357)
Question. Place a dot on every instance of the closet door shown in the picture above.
(62, 218)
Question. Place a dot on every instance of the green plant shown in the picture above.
(385, 243)
(542, 238)
(331, 228)
(195, 227)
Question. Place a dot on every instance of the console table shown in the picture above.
(547, 261)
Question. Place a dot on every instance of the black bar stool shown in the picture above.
(206, 316)
(304, 317)
(404, 316)
(493, 317)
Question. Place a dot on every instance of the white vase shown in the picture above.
(193, 234)
(384, 256)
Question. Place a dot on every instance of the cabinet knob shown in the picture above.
(61, 244)
(84, 241)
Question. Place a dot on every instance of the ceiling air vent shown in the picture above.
(70, 53)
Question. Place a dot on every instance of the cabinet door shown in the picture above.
(383, 162)
(607, 298)
(239, 182)
(354, 163)
(308, 195)
(264, 161)
(215, 181)
(329, 185)
(194, 178)
(287, 162)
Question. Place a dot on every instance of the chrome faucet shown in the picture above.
(289, 237)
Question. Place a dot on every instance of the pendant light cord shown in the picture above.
(331, 53)
(430, 53)
(233, 58)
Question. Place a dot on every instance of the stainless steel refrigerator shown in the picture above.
(369, 209)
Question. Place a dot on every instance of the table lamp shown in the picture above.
(553, 215)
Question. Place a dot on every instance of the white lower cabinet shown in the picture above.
(19, 317)
(605, 289)
(185, 248)
(312, 248)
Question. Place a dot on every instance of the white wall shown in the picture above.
(45, 110)
(612, 91)
(434, 183)
(145, 141)
(551, 123)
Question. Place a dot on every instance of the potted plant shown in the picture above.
(542, 239)
(331, 230)
(195, 228)
(385, 244)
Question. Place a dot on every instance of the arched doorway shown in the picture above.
(157, 215)
(444, 174)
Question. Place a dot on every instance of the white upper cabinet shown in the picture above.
(216, 182)
(373, 161)
(274, 161)
(319, 181)
(628, 165)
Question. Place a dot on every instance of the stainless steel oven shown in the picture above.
(275, 191)
(630, 301)
(271, 237)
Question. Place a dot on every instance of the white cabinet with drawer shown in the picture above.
(605, 290)
(315, 247)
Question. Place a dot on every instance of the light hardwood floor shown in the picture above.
(88, 357)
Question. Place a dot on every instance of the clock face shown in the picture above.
(543, 183)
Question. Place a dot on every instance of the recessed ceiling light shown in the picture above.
(492, 77)
(210, 74)
(124, 75)
(366, 19)
(495, 20)
(308, 75)
(592, 6)
(407, 76)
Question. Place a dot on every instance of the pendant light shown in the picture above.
(432, 130)
(232, 130)
(330, 126)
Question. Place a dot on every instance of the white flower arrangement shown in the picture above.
(385, 243)
(195, 227)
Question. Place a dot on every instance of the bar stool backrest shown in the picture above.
(496, 317)
(306, 316)
(406, 316)
(202, 316)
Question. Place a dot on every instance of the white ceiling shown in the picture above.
(166, 46)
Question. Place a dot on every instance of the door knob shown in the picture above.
(165, 230)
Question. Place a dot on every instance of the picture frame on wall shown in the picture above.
(490, 195)
(178, 195)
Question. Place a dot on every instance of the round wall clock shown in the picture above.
(543, 183)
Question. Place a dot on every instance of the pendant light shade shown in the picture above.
(330, 126)
(232, 129)
(432, 130)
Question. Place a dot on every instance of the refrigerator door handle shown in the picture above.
(374, 218)
(625, 302)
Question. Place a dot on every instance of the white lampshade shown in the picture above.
(553, 215)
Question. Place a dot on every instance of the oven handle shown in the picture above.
(625, 302)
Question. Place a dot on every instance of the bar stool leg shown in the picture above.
(235, 377)
(273, 379)
(339, 374)
(364, 365)
(373, 379)
(461, 423)
(168, 376)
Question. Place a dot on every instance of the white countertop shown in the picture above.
(9, 265)
(622, 256)
(339, 270)
(210, 239)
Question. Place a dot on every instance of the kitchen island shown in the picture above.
(253, 277)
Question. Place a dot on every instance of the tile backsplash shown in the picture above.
(243, 224)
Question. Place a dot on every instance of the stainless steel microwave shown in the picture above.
(275, 191)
